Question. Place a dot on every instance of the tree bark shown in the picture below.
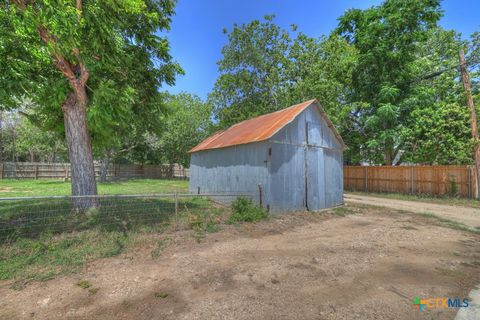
(1, 136)
(79, 151)
(473, 119)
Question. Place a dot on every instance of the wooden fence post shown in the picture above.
(1, 171)
(36, 171)
(366, 178)
(412, 179)
(469, 177)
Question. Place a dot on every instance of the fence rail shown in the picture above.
(32, 170)
(432, 180)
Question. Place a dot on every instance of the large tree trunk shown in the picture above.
(79, 151)
(1, 136)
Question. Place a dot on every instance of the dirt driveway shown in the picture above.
(368, 264)
(470, 217)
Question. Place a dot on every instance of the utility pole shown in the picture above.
(473, 118)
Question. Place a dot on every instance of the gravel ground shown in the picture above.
(368, 264)
(469, 217)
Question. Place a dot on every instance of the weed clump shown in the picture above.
(243, 210)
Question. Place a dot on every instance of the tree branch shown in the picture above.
(84, 74)
(67, 68)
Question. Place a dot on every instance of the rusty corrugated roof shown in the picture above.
(258, 129)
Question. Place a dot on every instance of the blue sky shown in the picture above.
(196, 36)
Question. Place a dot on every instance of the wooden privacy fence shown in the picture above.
(432, 180)
(30, 170)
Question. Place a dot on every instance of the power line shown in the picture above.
(437, 73)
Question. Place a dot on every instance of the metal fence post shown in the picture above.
(260, 195)
(176, 210)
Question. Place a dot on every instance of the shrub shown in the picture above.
(243, 210)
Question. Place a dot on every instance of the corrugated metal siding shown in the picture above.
(315, 179)
(287, 178)
(323, 186)
(333, 178)
(237, 169)
(293, 175)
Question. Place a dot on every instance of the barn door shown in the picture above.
(314, 167)
(333, 177)
(287, 177)
(315, 179)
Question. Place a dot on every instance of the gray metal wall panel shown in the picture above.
(315, 179)
(319, 132)
(293, 133)
(236, 169)
(287, 178)
(333, 178)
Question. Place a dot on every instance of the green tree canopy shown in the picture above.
(387, 38)
(91, 62)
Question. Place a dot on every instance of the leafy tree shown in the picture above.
(186, 123)
(33, 144)
(387, 38)
(437, 129)
(252, 72)
(322, 69)
(84, 64)
(266, 68)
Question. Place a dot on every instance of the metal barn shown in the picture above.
(295, 154)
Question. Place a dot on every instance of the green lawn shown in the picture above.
(472, 203)
(28, 188)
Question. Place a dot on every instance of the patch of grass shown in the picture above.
(29, 188)
(93, 290)
(450, 223)
(161, 295)
(243, 210)
(342, 211)
(409, 227)
(49, 256)
(84, 284)
(204, 221)
(447, 199)
(160, 246)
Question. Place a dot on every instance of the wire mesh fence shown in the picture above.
(31, 217)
